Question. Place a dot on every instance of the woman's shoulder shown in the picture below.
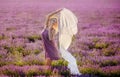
(43, 30)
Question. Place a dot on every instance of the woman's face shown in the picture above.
(54, 23)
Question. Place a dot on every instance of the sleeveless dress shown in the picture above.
(49, 46)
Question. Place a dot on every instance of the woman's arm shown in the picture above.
(54, 13)
(51, 29)
(49, 16)
(51, 33)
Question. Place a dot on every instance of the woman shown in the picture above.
(48, 34)
(63, 22)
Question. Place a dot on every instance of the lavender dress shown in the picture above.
(49, 46)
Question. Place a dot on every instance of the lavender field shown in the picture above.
(96, 45)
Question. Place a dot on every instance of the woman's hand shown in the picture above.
(51, 33)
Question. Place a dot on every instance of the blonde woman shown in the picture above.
(48, 34)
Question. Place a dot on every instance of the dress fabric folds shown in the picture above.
(49, 46)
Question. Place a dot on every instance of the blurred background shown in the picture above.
(96, 45)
